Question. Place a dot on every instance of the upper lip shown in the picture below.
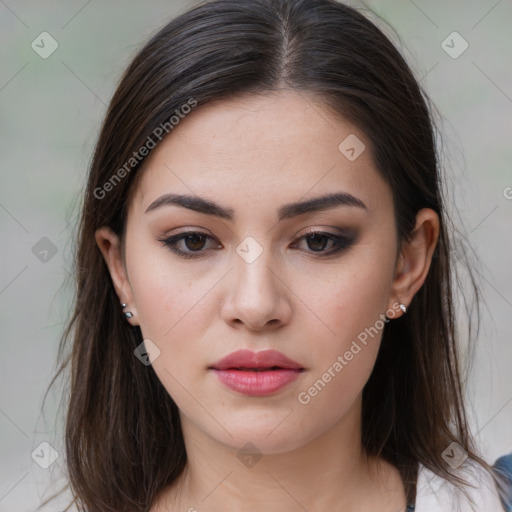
(249, 359)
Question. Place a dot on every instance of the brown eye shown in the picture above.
(192, 244)
(318, 242)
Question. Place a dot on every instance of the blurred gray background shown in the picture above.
(51, 107)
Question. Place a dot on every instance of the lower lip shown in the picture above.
(254, 383)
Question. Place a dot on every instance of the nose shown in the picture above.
(258, 296)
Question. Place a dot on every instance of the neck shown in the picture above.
(330, 472)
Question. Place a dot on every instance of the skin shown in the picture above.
(254, 154)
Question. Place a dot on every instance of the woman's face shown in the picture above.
(254, 277)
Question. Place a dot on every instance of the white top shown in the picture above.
(435, 494)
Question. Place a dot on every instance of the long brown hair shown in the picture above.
(123, 436)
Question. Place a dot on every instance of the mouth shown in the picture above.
(265, 360)
(256, 369)
(256, 373)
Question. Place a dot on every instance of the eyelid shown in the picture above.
(336, 231)
(343, 240)
(171, 246)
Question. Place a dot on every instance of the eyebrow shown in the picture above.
(287, 211)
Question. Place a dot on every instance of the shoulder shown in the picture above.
(435, 494)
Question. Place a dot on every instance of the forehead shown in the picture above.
(279, 147)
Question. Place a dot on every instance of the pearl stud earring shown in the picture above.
(127, 314)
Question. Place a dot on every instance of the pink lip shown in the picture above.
(238, 371)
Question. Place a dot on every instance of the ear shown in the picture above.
(415, 257)
(110, 246)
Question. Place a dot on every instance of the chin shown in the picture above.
(270, 433)
(264, 444)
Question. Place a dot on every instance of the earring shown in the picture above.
(127, 314)
(403, 308)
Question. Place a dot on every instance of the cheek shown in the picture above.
(344, 358)
(174, 312)
(332, 394)
(351, 301)
(345, 342)
(163, 294)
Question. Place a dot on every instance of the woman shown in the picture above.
(264, 314)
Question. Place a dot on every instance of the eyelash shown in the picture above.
(342, 242)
